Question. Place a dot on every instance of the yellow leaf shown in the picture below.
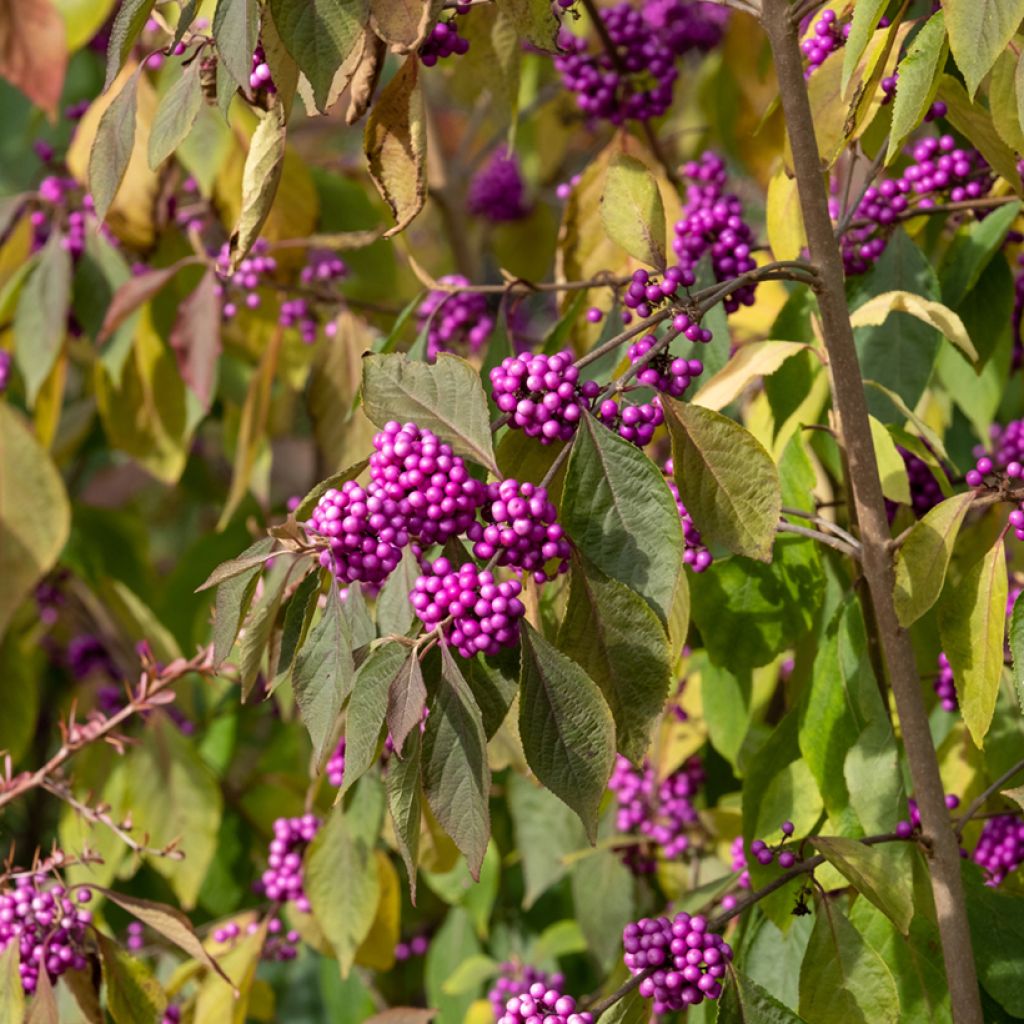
(785, 222)
(875, 311)
(757, 359)
(378, 949)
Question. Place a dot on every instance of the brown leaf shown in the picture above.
(365, 79)
(137, 292)
(195, 338)
(33, 55)
(395, 145)
(404, 24)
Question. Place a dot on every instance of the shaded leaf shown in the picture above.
(43, 1007)
(236, 31)
(135, 292)
(395, 613)
(176, 114)
(404, 24)
(536, 22)
(403, 789)
(1016, 640)
(261, 176)
(128, 22)
(746, 1002)
(133, 994)
(407, 696)
(195, 339)
(113, 144)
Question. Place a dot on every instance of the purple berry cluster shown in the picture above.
(47, 925)
(671, 376)
(280, 944)
(542, 394)
(336, 764)
(434, 496)
(365, 532)
(690, 961)
(516, 979)
(241, 286)
(765, 854)
(687, 25)
(416, 946)
(541, 1003)
(1006, 464)
(1000, 848)
(520, 530)
(454, 321)
(484, 614)
(602, 90)
(260, 79)
(5, 369)
(60, 205)
(925, 490)
(944, 686)
(712, 222)
(826, 36)
(662, 812)
(695, 554)
(905, 829)
(636, 422)
(87, 654)
(496, 191)
(282, 879)
(444, 40)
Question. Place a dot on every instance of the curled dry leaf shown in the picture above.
(404, 24)
(365, 79)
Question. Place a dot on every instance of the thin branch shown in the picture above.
(823, 522)
(869, 177)
(962, 206)
(822, 538)
(979, 801)
(621, 992)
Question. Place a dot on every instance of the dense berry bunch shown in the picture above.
(260, 78)
(542, 394)
(282, 880)
(47, 925)
(671, 376)
(520, 529)
(661, 812)
(636, 422)
(515, 979)
(695, 554)
(60, 205)
(454, 320)
(712, 222)
(336, 764)
(944, 686)
(430, 487)
(602, 90)
(827, 35)
(686, 25)
(1000, 848)
(925, 490)
(497, 192)
(1018, 313)
(241, 286)
(485, 614)
(444, 40)
(5, 369)
(364, 529)
(689, 960)
(1007, 445)
(645, 293)
(279, 944)
(543, 1004)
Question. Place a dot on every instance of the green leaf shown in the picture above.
(403, 790)
(1015, 632)
(612, 634)
(470, 975)
(456, 776)
(879, 874)
(997, 932)
(972, 620)
(176, 114)
(536, 23)
(566, 728)
(979, 31)
(343, 885)
(323, 676)
(919, 71)
(320, 35)
(972, 250)
(112, 147)
(297, 618)
(619, 512)
(131, 16)
(923, 558)
(1018, 90)
(727, 480)
(842, 978)
(253, 557)
(632, 211)
(631, 1009)
(234, 595)
(407, 696)
(12, 995)
(174, 798)
(395, 144)
(454, 943)
(254, 647)
(445, 397)
(892, 470)
(604, 902)
(395, 614)
(236, 32)
(133, 995)
(32, 533)
(364, 719)
(745, 1002)
(40, 320)
(261, 175)
(559, 939)
(862, 29)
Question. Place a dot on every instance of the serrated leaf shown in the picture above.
(726, 479)
(445, 397)
(368, 706)
(407, 696)
(632, 211)
(12, 995)
(919, 72)
(923, 558)
(979, 31)
(862, 28)
(261, 175)
(536, 22)
(746, 1002)
(342, 884)
(133, 995)
(323, 675)
(753, 360)
(113, 144)
(32, 533)
(618, 510)
(403, 790)
(875, 874)
(234, 594)
(874, 312)
(612, 634)
(254, 646)
(236, 31)
(395, 144)
(176, 114)
(40, 320)
(169, 922)
(128, 22)
(566, 727)
(456, 776)
(972, 621)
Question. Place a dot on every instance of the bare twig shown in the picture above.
(979, 801)
(822, 538)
